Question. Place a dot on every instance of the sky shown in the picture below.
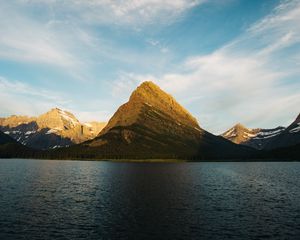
(226, 61)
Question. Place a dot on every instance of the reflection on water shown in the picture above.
(103, 200)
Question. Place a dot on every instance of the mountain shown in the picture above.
(11, 148)
(257, 138)
(265, 139)
(153, 125)
(54, 129)
(289, 137)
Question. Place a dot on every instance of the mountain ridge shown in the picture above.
(265, 139)
(55, 128)
(151, 125)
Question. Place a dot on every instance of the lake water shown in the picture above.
(104, 200)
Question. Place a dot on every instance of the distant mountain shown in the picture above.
(265, 139)
(257, 138)
(289, 137)
(153, 125)
(54, 129)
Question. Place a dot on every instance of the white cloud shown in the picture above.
(20, 98)
(25, 39)
(62, 34)
(123, 12)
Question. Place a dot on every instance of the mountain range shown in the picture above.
(53, 129)
(151, 125)
(265, 139)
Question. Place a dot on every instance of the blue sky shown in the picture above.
(226, 61)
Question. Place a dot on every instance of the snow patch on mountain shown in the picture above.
(68, 117)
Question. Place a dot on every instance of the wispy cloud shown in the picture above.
(65, 34)
(20, 98)
(135, 13)
(25, 39)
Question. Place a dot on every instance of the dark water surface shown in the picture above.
(106, 200)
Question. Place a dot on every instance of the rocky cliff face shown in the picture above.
(153, 125)
(54, 129)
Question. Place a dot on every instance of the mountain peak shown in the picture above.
(239, 133)
(56, 109)
(149, 91)
(239, 125)
(149, 99)
(57, 119)
(148, 84)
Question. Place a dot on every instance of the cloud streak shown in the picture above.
(24, 39)
(134, 13)
(20, 98)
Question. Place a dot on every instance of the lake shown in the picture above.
(43, 199)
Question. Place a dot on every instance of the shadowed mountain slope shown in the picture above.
(289, 137)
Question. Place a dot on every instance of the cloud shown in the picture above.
(25, 39)
(251, 79)
(135, 13)
(67, 35)
(20, 98)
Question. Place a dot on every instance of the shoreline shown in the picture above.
(161, 160)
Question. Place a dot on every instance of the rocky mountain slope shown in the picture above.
(153, 125)
(54, 129)
(257, 138)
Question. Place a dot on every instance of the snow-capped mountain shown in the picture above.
(56, 128)
(265, 138)
(257, 138)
